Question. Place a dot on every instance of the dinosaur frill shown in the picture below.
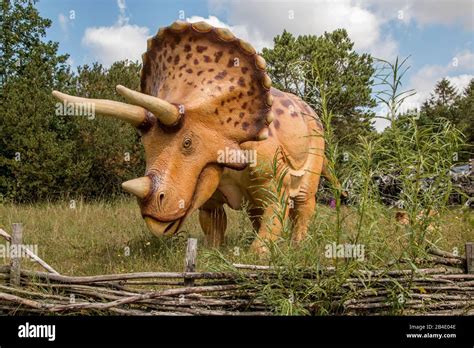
(211, 76)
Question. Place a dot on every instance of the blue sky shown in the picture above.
(438, 34)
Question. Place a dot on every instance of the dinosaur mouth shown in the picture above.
(160, 228)
(207, 184)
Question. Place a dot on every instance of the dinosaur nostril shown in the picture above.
(161, 197)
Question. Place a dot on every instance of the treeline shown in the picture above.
(302, 64)
(48, 156)
(44, 155)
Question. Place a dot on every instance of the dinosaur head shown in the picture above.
(203, 92)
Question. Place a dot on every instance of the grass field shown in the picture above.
(98, 238)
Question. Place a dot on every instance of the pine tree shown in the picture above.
(442, 104)
(444, 94)
(445, 104)
(466, 119)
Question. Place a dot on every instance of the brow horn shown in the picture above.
(166, 112)
(135, 115)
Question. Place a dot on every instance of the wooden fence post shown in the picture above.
(190, 261)
(16, 252)
(470, 257)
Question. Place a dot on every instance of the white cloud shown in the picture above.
(263, 20)
(380, 124)
(117, 42)
(385, 49)
(110, 44)
(444, 12)
(122, 6)
(241, 31)
(426, 12)
(460, 82)
(464, 60)
(458, 71)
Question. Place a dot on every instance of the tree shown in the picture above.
(444, 94)
(45, 154)
(33, 143)
(466, 119)
(346, 75)
(110, 149)
(441, 104)
(446, 104)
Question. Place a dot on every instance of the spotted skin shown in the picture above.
(205, 74)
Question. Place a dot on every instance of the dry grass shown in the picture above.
(94, 238)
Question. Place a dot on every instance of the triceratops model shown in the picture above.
(206, 109)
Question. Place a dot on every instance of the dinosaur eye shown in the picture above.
(187, 143)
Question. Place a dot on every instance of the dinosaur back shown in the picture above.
(294, 125)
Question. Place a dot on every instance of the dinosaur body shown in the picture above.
(204, 95)
(296, 136)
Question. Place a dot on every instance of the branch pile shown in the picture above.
(439, 285)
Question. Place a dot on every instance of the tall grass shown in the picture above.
(419, 156)
(422, 156)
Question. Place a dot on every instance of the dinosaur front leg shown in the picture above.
(302, 217)
(270, 228)
(214, 223)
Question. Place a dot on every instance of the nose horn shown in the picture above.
(139, 187)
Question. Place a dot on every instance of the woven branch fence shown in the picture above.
(445, 287)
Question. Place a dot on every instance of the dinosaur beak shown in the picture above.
(159, 228)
